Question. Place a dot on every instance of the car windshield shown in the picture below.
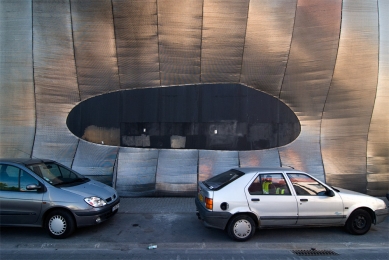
(219, 181)
(56, 174)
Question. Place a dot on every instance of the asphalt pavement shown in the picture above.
(171, 225)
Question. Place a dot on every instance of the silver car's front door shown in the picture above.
(19, 205)
(314, 205)
(270, 198)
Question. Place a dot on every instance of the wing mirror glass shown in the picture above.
(33, 187)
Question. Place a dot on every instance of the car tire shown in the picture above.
(241, 228)
(60, 224)
(359, 222)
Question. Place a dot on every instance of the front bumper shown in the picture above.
(380, 215)
(96, 215)
(212, 219)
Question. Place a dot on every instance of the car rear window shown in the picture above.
(219, 181)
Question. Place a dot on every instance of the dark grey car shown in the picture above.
(35, 192)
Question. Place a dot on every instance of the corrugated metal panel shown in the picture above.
(351, 97)
(137, 42)
(136, 172)
(95, 161)
(262, 158)
(55, 80)
(378, 140)
(212, 163)
(17, 105)
(308, 78)
(179, 34)
(268, 37)
(94, 45)
(224, 29)
(177, 172)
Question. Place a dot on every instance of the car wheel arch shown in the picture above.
(250, 214)
(47, 213)
(367, 209)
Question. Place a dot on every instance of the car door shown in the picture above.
(270, 198)
(315, 206)
(18, 205)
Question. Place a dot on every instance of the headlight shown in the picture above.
(95, 201)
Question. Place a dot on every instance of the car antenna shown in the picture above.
(287, 166)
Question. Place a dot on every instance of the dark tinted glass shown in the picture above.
(221, 180)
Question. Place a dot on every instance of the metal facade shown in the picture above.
(327, 60)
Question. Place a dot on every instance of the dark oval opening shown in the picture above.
(207, 116)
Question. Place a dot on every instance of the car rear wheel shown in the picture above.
(60, 224)
(241, 228)
(359, 222)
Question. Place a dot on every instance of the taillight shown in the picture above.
(209, 203)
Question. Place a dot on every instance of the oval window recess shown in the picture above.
(208, 116)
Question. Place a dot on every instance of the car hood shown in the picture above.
(352, 197)
(91, 188)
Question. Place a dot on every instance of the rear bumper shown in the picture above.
(212, 219)
(96, 216)
(380, 215)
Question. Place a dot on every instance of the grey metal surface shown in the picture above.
(136, 173)
(96, 161)
(378, 139)
(215, 162)
(308, 77)
(327, 60)
(17, 104)
(350, 101)
(179, 39)
(223, 34)
(267, 44)
(177, 172)
(136, 27)
(94, 47)
(263, 158)
(55, 80)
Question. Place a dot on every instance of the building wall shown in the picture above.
(328, 61)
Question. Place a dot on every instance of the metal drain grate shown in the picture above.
(314, 252)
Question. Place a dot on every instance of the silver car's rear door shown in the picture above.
(273, 202)
(19, 205)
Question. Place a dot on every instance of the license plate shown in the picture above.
(201, 198)
(115, 207)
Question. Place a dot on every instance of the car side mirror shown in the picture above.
(33, 187)
(330, 193)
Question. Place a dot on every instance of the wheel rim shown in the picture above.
(360, 222)
(242, 228)
(57, 225)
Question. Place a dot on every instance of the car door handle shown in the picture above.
(254, 199)
(303, 199)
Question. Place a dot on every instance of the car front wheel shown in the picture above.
(60, 224)
(241, 228)
(359, 222)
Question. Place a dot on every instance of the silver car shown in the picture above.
(36, 192)
(242, 199)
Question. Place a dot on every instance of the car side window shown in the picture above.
(14, 179)
(269, 184)
(305, 185)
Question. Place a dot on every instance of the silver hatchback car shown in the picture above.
(242, 199)
(36, 192)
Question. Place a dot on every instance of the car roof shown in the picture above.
(24, 161)
(248, 170)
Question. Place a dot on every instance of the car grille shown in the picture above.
(108, 200)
